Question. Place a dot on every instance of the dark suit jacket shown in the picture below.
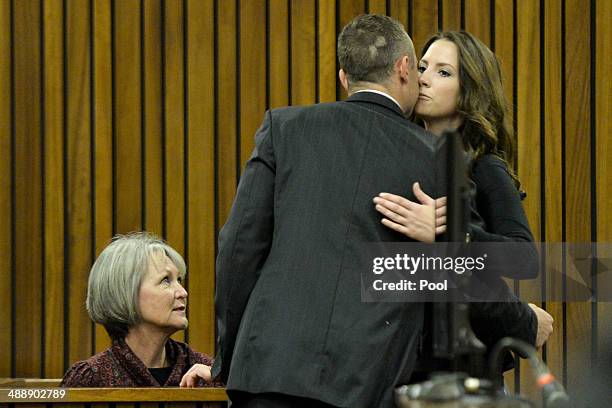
(288, 299)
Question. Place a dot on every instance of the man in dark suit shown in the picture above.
(292, 328)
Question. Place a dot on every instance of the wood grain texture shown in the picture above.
(28, 188)
(127, 120)
(174, 148)
(424, 22)
(577, 177)
(252, 73)
(553, 85)
(478, 18)
(201, 187)
(603, 111)
(303, 64)
(152, 105)
(278, 41)
(377, 7)
(398, 9)
(53, 78)
(328, 71)
(6, 211)
(103, 138)
(451, 15)
(78, 176)
(528, 144)
(227, 120)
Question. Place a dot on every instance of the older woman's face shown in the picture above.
(162, 298)
(439, 83)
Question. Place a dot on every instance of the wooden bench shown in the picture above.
(36, 392)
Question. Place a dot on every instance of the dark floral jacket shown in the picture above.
(118, 366)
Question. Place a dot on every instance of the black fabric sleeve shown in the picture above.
(244, 244)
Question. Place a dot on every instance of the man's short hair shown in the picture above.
(369, 46)
(116, 276)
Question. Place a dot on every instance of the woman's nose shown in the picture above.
(423, 79)
(181, 293)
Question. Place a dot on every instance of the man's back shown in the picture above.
(293, 249)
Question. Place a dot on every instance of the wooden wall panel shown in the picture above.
(603, 112)
(278, 43)
(103, 138)
(127, 105)
(228, 157)
(303, 60)
(451, 15)
(252, 73)
(78, 174)
(577, 175)
(139, 114)
(53, 122)
(201, 174)
(328, 67)
(152, 105)
(553, 146)
(528, 142)
(28, 187)
(424, 22)
(478, 19)
(6, 213)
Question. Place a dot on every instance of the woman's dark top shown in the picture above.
(118, 366)
(498, 203)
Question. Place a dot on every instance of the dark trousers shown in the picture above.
(242, 399)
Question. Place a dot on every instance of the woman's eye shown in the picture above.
(444, 73)
(421, 69)
(180, 280)
(165, 280)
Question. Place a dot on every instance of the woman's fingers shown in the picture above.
(192, 376)
(420, 194)
(400, 201)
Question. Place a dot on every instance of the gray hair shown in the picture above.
(369, 46)
(116, 276)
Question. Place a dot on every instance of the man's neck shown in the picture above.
(149, 346)
(370, 86)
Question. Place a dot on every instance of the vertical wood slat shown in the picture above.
(201, 187)
(252, 73)
(78, 177)
(103, 137)
(451, 15)
(424, 22)
(553, 84)
(327, 51)
(398, 9)
(303, 63)
(278, 41)
(377, 7)
(152, 105)
(477, 19)
(28, 187)
(6, 213)
(603, 110)
(528, 142)
(53, 188)
(578, 171)
(127, 116)
(174, 148)
(227, 87)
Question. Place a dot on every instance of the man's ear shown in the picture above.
(343, 79)
(402, 66)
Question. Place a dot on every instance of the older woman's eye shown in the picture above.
(165, 280)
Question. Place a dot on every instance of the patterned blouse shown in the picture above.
(118, 366)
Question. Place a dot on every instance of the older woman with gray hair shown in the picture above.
(136, 292)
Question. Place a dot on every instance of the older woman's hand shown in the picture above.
(197, 371)
(420, 221)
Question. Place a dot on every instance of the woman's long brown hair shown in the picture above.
(487, 124)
